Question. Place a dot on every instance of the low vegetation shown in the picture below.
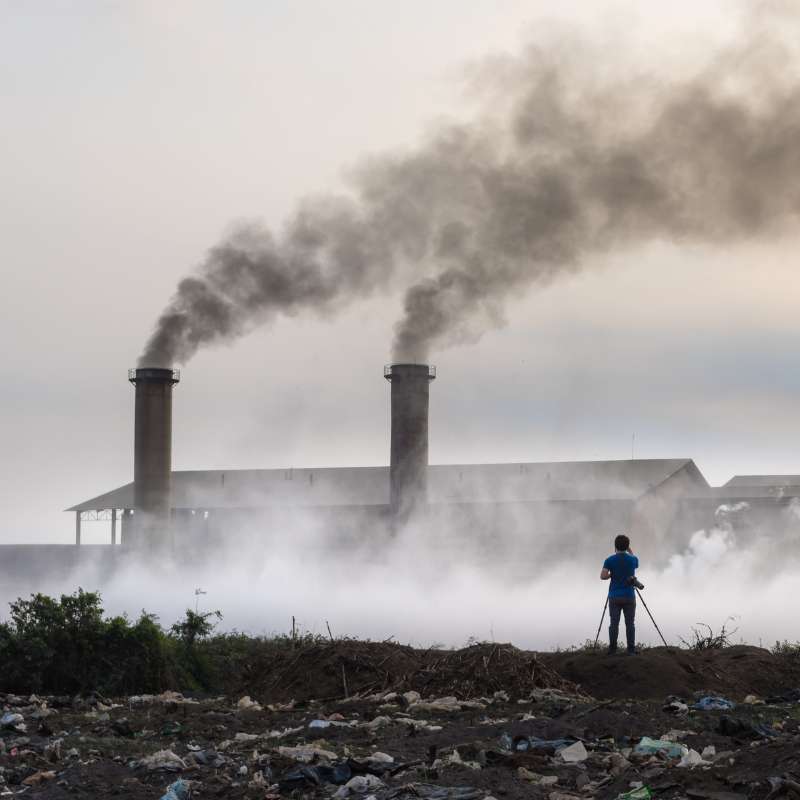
(703, 636)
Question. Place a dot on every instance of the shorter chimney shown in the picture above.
(408, 470)
(152, 457)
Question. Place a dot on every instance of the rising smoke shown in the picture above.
(569, 168)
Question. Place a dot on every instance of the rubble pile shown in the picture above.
(487, 668)
(486, 722)
(329, 669)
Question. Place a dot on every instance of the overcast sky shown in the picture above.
(135, 133)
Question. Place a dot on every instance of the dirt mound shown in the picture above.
(657, 672)
(482, 669)
(329, 670)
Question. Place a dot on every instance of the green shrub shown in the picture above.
(66, 646)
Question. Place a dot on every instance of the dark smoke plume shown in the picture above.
(567, 170)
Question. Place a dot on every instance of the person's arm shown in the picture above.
(604, 574)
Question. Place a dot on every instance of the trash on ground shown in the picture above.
(648, 746)
(177, 791)
(714, 703)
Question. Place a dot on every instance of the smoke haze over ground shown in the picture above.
(563, 162)
(435, 586)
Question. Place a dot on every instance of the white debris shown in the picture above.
(307, 753)
(380, 758)
(692, 759)
(378, 722)
(276, 734)
(753, 700)
(535, 777)
(574, 754)
(455, 760)
(246, 704)
(361, 784)
(446, 704)
(165, 760)
(418, 724)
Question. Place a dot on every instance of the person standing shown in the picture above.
(620, 569)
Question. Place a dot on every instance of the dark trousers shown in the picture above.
(616, 607)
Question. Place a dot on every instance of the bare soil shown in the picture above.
(95, 747)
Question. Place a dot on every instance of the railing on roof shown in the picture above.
(387, 369)
(153, 372)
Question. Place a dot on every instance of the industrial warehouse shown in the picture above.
(488, 505)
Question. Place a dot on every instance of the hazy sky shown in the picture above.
(135, 133)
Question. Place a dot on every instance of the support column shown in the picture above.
(77, 528)
(113, 526)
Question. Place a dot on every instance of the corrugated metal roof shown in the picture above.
(764, 480)
(447, 483)
(736, 494)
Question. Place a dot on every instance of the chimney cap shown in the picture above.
(154, 375)
(396, 370)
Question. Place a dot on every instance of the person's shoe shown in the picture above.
(631, 653)
(612, 651)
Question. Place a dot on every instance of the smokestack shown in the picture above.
(408, 470)
(152, 459)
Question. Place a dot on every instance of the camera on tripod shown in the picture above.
(634, 581)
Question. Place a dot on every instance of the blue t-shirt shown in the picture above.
(621, 566)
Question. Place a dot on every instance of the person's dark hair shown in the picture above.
(622, 542)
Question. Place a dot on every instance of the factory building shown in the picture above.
(500, 511)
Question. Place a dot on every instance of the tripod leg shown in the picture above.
(651, 618)
(596, 638)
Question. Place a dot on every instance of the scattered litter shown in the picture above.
(378, 722)
(308, 776)
(379, 758)
(692, 759)
(523, 743)
(177, 791)
(39, 777)
(788, 696)
(730, 726)
(430, 792)
(246, 704)
(12, 720)
(714, 703)
(573, 754)
(208, 758)
(307, 753)
(535, 777)
(361, 784)
(164, 760)
(648, 746)
(674, 705)
(753, 700)
(454, 759)
(642, 793)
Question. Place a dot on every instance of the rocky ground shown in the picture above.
(485, 721)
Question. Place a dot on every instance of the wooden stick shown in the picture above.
(344, 681)
(329, 629)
